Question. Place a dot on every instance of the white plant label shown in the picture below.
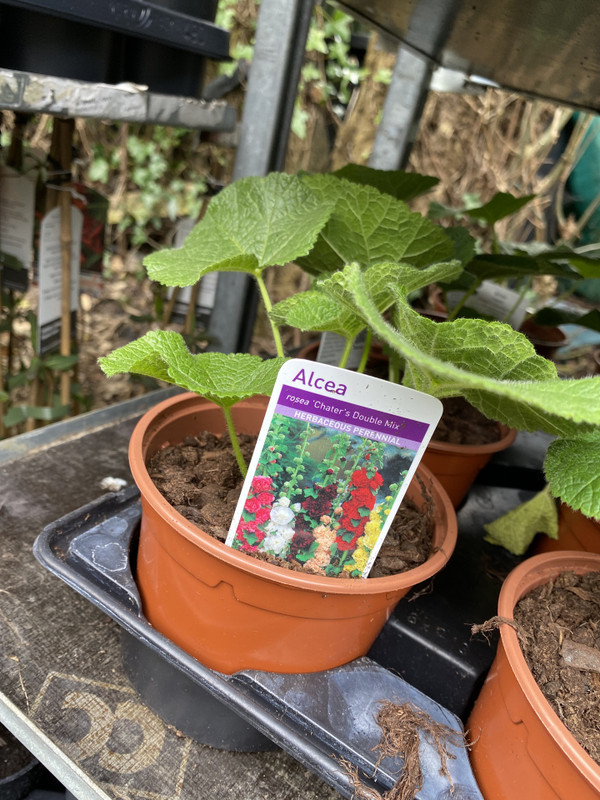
(50, 276)
(334, 458)
(17, 212)
(498, 302)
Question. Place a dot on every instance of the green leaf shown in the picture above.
(516, 530)
(492, 365)
(501, 205)
(572, 468)
(58, 362)
(556, 316)
(371, 228)
(252, 224)
(464, 243)
(316, 310)
(501, 265)
(397, 183)
(3, 396)
(222, 378)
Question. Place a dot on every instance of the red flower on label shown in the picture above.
(261, 483)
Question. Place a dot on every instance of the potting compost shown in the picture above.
(201, 480)
(559, 626)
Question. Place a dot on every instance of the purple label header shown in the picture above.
(350, 414)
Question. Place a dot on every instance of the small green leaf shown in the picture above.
(498, 266)
(397, 183)
(501, 205)
(516, 530)
(58, 362)
(464, 243)
(254, 223)
(222, 378)
(556, 316)
(572, 468)
(370, 228)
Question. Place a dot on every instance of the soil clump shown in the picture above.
(201, 480)
(559, 631)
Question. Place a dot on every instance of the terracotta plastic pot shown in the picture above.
(575, 532)
(232, 611)
(546, 339)
(521, 748)
(457, 465)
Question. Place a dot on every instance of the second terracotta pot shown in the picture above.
(575, 532)
(521, 749)
(457, 465)
(232, 611)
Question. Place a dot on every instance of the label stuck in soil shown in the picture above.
(335, 455)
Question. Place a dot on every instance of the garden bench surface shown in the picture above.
(63, 690)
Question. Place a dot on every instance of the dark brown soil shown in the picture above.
(560, 636)
(463, 424)
(13, 755)
(201, 480)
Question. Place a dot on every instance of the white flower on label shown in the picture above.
(283, 501)
(281, 515)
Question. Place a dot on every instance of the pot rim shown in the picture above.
(445, 514)
(507, 438)
(528, 575)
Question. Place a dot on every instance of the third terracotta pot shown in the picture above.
(521, 749)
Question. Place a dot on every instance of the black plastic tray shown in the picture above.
(317, 717)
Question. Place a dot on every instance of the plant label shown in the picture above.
(334, 457)
(498, 302)
(17, 206)
(50, 277)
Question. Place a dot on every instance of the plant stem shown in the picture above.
(268, 306)
(365, 353)
(234, 441)
(526, 284)
(346, 354)
(394, 368)
(470, 291)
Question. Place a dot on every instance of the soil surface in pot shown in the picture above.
(201, 480)
(463, 424)
(559, 631)
(13, 755)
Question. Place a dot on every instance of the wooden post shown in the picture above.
(66, 127)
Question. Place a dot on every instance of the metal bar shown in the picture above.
(402, 110)
(43, 94)
(280, 44)
(142, 19)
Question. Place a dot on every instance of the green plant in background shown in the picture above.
(366, 252)
(162, 181)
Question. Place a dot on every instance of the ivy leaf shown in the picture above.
(572, 469)
(492, 365)
(253, 223)
(517, 529)
(371, 228)
(501, 205)
(222, 378)
(397, 183)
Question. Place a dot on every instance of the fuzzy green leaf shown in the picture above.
(222, 378)
(501, 205)
(500, 265)
(371, 228)
(492, 365)
(556, 316)
(254, 223)
(316, 310)
(516, 530)
(397, 183)
(572, 468)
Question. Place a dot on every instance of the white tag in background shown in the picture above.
(333, 460)
(17, 214)
(495, 301)
(50, 276)
(208, 284)
(332, 346)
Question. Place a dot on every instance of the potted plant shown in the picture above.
(366, 252)
(520, 746)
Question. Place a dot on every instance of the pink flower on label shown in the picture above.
(261, 483)
(262, 515)
(265, 498)
(252, 505)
